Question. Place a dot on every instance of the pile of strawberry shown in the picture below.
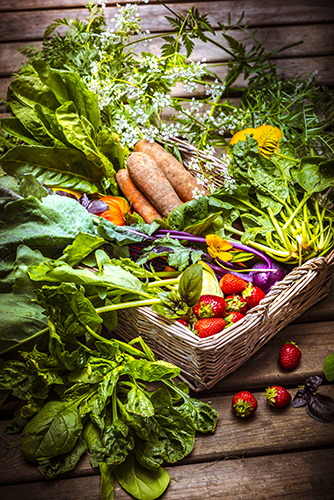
(214, 313)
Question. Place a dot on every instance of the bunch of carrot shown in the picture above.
(155, 182)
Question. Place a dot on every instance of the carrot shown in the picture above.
(182, 181)
(139, 203)
(148, 177)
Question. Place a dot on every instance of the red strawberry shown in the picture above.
(182, 321)
(253, 295)
(231, 284)
(209, 326)
(277, 396)
(210, 306)
(244, 404)
(289, 355)
(233, 317)
(236, 303)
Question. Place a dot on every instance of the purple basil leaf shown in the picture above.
(84, 200)
(97, 206)
(321, 408)
(301, 398)
(64, 193)
(312, 384)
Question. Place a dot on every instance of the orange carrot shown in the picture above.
(182, 181)
(139, 203)
(148, 177)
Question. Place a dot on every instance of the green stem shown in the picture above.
(127, 305)
(33, 337)
(295, 212)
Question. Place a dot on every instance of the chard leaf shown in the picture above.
(77, 131)
(14, 126)
(31, 122)
(53, 431)
(30, 90)
(50, 223)
(61, 167)
(22, 319)
(112, 277)
(139, 482)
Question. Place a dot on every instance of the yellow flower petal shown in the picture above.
(217, 247)
(267, 136)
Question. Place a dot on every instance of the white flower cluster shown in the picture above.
(186, 74)
(160, 100)
(127, 133)
(126, 20)
(215, 90)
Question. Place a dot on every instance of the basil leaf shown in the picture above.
(321, 408)
(190, 285)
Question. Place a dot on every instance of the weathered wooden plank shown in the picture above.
(288, 429)
(30, 25)
(307, 475)
(318, 41)
(316, 341)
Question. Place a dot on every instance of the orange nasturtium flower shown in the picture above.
(268, 138)
(217, 247)
(117, 208)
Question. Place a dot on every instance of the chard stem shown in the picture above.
(127, 305)
(295, 212)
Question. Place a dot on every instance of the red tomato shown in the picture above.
(117, 207)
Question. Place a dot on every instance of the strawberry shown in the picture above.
(210, 306)
(244, 404)
(253, 295)
(236, 303)
(182, 321)
(233, 317)
(209, 326)
(231, 284)
(277, 396)
(289, 355)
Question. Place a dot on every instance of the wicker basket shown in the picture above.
(203, 362)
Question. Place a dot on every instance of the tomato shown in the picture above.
(117, 208)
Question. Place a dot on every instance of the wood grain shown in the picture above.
(300, 475)
(31, 24)
(318, 41)
(268, 431)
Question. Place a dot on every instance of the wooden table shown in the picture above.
(277, 453)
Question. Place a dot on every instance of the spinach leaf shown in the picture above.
(107, 481)
(139, 482)
(60, 464)
(53, 431)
